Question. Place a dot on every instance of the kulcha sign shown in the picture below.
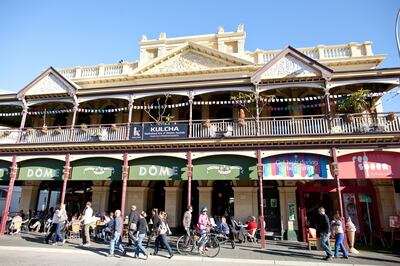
(365, 165)
(224, 167)
(158, 168)
(5, 170)
(97, 169)
(41, 169)
(296, 167)
(157, 132)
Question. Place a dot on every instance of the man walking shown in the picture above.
(87, 220)
(187, 221)
(132, 222)
(116, 236)
(324, 233)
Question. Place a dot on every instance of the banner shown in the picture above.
(296, 167)
(157, 132)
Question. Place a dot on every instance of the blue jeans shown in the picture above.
(162, 238)
(203, 234)
(59, 237)
(339, 241)
(139, 247)
(103, 233)
(326, 245)
(115, 241)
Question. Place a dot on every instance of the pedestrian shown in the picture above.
(132, 223)
(57, 224)
(338, 232)
(87, 220)
(187, 222)
(108, 226)
(154, 220)
(142, 229)
(116, 235)
(324, 233)
(162, 229)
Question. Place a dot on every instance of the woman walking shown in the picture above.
(59, 217)
(338, 231)
(142, 229)
(162, 228)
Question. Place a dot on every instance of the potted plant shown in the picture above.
(44, 130)
(58, 130)
(207, 123)
(355, 103)
(30, 131)
(114, 127)
(390, 117)
(84, 128)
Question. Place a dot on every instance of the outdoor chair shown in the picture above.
(312, 239)
(75, 231)
(251, 237)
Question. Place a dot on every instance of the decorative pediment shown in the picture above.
(289, 66)
(191, 57)
(290, 63)
(49, 82)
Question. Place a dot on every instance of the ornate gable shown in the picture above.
(289, 66)
(49, 82)
(191, 57)
(290, 63)
(188, 61)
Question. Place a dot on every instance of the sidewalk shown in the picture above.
(276, 253)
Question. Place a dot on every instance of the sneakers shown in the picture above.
(86, 245)
(63, 241)
(170, 257)
(328, 258)
(345, 257)
(110, 255)
(124, 253)
(146, 257)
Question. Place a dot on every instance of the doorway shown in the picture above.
(223, 199)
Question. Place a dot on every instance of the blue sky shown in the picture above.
(37, 34)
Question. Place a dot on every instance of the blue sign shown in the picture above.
(135, 132)
(156, 132)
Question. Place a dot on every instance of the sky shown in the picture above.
(37, 34)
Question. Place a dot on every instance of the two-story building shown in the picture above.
(199, 120)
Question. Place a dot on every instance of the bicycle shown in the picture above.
(223, 238)
(190, 246)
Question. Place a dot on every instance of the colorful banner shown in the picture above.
(369, 165)
(296, 167)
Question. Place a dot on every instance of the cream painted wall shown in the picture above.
(173, 205)
(29, 194)
(385, 204)
(287, 195)
(136, 196)
(205, 198)
(100, 196)
(246, 202)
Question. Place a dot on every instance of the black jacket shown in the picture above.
(142, 226)
(133, 217)
(324, 226)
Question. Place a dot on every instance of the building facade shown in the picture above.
(199, 120)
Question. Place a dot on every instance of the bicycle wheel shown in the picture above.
(182, 247)
(211, 247)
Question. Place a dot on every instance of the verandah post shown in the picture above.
(260, 181)
(6, 212)
(189, 194)
(67, 169)
(125, 172)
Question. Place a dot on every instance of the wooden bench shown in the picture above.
(313, 241)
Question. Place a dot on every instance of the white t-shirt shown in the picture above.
(88, 215)
(56, 216)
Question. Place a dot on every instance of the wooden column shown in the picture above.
(335, 171)
(125, 172)
(67, 169)
(24, 114)
(257, 112)
(190, 167)
(260, 181)
(73, 121)
(328, 109)
(6, 212)
(190, 113)
(130, 109)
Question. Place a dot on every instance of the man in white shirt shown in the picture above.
(87, 219)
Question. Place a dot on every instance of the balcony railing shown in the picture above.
(206, 129)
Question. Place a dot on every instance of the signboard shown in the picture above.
(367, 165)
(135, 132)
(157, 132)
(291, 211)
(41, 169)
(4, 170)
(158, 168)
(224, 167)
(296, 167)
(97, 169)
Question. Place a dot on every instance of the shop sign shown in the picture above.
(366, 165)
(296, 167)
(224, 167)
(41, 169)
(97, 169)
(4, 170)
(158, 168)
(156, 132)
(135, 132)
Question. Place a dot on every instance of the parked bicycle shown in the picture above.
(190, 245)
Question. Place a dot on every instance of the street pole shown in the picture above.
(6, 211)
(260, 181)
(67, 169)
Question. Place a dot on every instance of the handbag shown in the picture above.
(133, 226)
(162, 229)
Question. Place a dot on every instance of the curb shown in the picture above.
(185, 258)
